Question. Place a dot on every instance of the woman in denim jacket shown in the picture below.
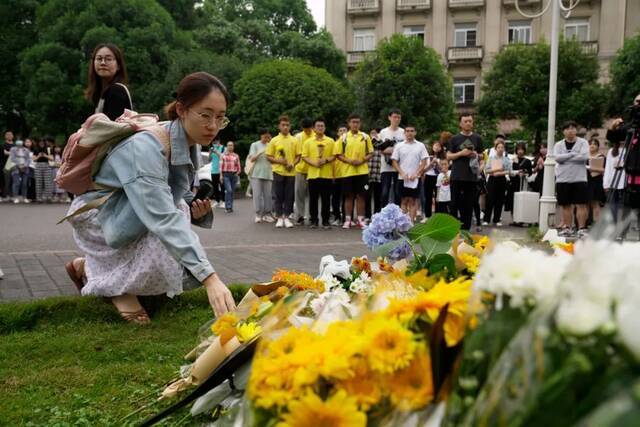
(140, 242)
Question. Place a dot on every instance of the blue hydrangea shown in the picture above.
(387, 225)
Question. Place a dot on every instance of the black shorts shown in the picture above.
(414, 193)
(572, 193)
(356, 184)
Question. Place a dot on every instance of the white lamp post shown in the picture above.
(548, 199)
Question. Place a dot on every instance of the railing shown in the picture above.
(355, 57)
(363, 6)
(413, 4)
(466, 3)
(465, 53)
(521, 2)
(590, 48)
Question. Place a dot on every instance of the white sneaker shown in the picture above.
(485, 223)
(347, 224)
(16, 200)
(268, 218)
(361, 224)
(258, 219)
(336, 223)
(280, 223)
(288, 223)
(498, 224)
(26, 201)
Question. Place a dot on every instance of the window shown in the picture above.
(464, 91)
(465, 35)
(520, 32)
(414, 30)
(364, 39)
(577, 29)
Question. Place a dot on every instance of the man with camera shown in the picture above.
(627, 132)
(388, 138)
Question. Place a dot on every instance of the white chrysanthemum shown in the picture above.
(582, 316)
(521, 273)
(362, 284)
(628, 324)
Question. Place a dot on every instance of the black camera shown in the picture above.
(634, 115)
(383, 145)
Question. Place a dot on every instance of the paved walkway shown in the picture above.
(33, 249)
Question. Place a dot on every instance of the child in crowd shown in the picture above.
(443, 186)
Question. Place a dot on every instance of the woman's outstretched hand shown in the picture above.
(219, 295)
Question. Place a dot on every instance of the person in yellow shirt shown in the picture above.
(281, 153)
(317, 153)
(336, 185)
(354, 149)
(302, 191)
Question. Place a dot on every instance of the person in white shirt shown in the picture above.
(389, 175)
(410, 160)
(443, 199)
(614, 164)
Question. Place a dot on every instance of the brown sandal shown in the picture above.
(139, 317)
(74, 276)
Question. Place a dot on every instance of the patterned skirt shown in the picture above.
(143, 267)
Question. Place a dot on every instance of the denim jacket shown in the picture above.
(152, 187)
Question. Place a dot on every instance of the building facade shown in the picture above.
(469, 33)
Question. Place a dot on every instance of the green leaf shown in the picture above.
(467, 236)
(442, 263)
(441, 227)
(431, 247)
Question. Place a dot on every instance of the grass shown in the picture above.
(73, 362)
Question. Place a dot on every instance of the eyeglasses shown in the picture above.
(207, 119)
(106, 59)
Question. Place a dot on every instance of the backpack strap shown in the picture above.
(126, 89)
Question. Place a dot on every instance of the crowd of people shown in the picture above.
(311, 178)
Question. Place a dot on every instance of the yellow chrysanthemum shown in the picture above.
(412, 387)
(360, 264)
(388, 345)
(224, 323)
(481, 242)
(470, 262)
(298, 281)
(246, 331)
(337, 348)
(364, 386)
(454, 295)
(338, 410)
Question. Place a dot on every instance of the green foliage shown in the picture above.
(17, 32)
(272, 88)
(317, 50)
(404, 74)
(625, 76)
(517, 86)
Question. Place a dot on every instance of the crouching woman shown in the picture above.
(140, 241)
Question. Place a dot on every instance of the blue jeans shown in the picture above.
(20, 181)
(229, 186)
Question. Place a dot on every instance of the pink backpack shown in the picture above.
(88, 147)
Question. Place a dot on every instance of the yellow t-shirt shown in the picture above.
(357, 147)
(282, 147)
(312, 148)
(301, 138)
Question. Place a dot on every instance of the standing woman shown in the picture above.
(107, 79)
(595, 179)
(433, 169)
(230, 168)
(140, 241)
(538, 168)
(522, 168)
(498, 167)
(43, 156)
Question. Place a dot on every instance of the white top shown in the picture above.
(387, 133)
(443, 184)
(409, 155)
(609, 170)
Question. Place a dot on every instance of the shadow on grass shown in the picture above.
(25, 316)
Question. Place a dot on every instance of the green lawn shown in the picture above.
(72, 361)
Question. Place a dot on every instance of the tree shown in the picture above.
(276, 87)
(517, 87)
(402, 73)
(68, 32)
(318, 50)
(186, 13)
(17, 33)
(625, 76)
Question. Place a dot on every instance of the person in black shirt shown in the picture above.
(107, 79)
(463, 152)
(43, 154)
(5, 175)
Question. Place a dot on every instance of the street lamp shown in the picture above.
(548, 199)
